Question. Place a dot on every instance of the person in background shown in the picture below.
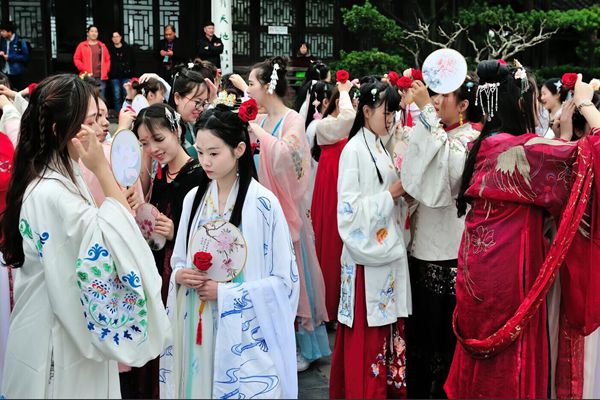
(14, 53)
(211, 47)
(171, 52)
(303, 58)
(92, 56)
(121, 67)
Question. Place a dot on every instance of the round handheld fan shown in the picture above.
(444, 70)
(125, 158)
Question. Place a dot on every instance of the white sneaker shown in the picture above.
(301, 363)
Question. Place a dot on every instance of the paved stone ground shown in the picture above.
(314, 382)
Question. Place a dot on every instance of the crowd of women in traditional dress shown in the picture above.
(401, 211)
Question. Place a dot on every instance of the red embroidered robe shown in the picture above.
(506, 267)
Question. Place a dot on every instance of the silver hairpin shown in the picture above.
(490, 105)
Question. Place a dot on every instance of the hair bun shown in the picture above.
(281, 62)
(491, 71)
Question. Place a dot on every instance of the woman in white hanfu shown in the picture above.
(87, 293)
(369, 354)
(247, 331)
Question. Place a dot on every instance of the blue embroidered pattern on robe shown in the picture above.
(345, 208)
(112, 309)
(265, 383)
(346, 300)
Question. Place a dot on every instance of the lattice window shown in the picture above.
(89, 16)
(53, 41)
(241, 12)
(319, 13)
(277, 12)
(28, 15)
(275, 45)
(321, 45)
(169, 14)
(138, 23)
(241, 43)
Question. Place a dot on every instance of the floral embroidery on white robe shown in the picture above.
(245, 351)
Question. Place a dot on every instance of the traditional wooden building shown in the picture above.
(261, 28)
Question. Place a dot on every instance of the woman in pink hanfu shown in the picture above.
(284, 168)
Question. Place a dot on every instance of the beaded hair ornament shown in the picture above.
(274, 79)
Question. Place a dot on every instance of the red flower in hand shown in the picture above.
(569, 79)
(31, 87)
(404, 83)
(202, 260)
(393, 77)
(416, 74)
(501, 61)
(248, 110)
(342, 76)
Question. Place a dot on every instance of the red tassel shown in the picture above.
(159, 172)
(199, 331)
(407, 222)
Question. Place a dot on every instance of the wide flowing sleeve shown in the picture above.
(111, 306)
(256, 337)
(332, 130)
(433, 162)
(285, 168)
(366, 223)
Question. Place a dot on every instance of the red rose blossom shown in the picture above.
(342, 76)
(31, 88)
(404, 83)
(416, 74)
(569, 79)
(248, 110)
(393, 77)
(202, 260)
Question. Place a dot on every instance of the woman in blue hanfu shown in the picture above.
(244, 345)
(87, 294)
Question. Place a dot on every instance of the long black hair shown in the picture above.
(227, 126)
(57, 108)
(318, 92)
(374, 93)
(513, 116)
(317, 71)
(265, 69)
(315, 150)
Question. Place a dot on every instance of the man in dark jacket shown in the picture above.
(121, 67)
(14, 54)
(211, 46)
(171, 52)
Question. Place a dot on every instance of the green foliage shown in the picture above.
(361, 63)
(369, 24)
(545, 73)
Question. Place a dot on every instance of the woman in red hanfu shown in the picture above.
(512, 179)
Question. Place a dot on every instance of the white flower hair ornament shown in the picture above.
(521, 74)
(274, 79)
(173, 119)
(190, 65)
(374, 93)
(558, 84)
